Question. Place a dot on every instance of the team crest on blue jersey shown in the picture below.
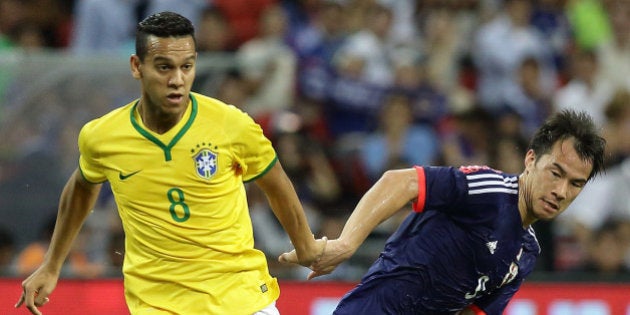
(205, 163)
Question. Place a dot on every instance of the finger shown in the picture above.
(40, 301)
(20, 301)
(290, 257)
(29, 300)
(317, 273)
(33, 309)
(30, 304)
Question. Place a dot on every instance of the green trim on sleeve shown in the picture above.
(87, 180)
(275, 160)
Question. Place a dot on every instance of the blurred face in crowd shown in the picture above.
(519, 11)
(166, 74)
(552, 181)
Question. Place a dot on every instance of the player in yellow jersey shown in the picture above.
(177, 162)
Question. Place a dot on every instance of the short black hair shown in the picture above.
(163, 24)
(567, 124)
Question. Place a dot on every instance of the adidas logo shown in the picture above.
(492, 246)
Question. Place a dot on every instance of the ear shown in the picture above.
(530, 159)
(134, 63)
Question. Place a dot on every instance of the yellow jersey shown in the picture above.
(189, 246)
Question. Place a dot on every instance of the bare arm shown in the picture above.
(287, 208)
(77, 200)
(390, 193)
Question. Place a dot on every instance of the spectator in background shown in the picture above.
(404, 29)
(11, 14)
(7, 251)
(500, 47)
(616, 130)
(232, 89)
(77, 265)
(531, 99)
(443, 47)
(606, 252)
(550, 19)
(109, 26)
(586, 89)
(268, 65)
(398, 142)
(469, 138)
(614, 53)
(509, 144)
(53, 18)
(243, 17)
(214, 33)
(316, 44)
(363, 71)
(429, 103)
(372, 45)
(305, 161)
(93, 30)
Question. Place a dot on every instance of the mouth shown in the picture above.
(550, 206)
(175, 97)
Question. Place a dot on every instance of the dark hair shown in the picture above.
(566, 124)
(163, 24)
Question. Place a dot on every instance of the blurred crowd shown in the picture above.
(347, 89)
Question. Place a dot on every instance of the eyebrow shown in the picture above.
(162, 58)
(564, 173)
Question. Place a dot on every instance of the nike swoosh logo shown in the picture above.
(125, 176)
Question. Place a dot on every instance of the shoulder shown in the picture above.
(213, 106)
(486, 181)
(482, 172)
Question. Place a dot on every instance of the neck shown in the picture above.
(523, 206)
(157, 120)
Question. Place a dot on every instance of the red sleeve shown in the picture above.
(476, 310)
(418, 206)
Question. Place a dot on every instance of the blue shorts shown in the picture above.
(399, 295)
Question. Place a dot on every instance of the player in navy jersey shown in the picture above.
(468, 245)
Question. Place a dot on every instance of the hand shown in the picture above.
(305, 259)
(335, 252)
(36, 289)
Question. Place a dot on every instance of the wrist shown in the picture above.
(347, 246)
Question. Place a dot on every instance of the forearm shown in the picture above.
(291, 216)
(286, 206)
(76, 201)
(391, 192)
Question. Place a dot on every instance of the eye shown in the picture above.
(555, 174)
(163, 67)
(187, 66)
(578, 184)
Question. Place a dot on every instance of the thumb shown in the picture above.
(290, 257)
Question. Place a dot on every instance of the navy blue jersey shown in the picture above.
(464, 245)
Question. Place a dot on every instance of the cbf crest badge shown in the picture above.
(205, 163)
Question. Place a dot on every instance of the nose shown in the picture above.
(560, 190)
(177, 79)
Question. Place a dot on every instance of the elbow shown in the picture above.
(402, 182)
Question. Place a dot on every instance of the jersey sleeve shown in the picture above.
(439, 188)
(254, 152)
(90, 169)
